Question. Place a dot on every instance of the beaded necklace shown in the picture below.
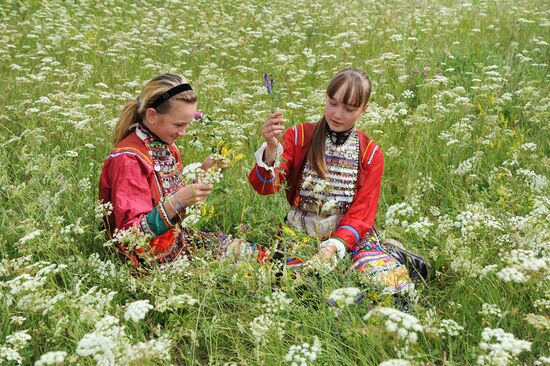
(334, 194)
(164, 163)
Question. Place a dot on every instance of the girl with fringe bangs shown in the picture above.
(332, 173)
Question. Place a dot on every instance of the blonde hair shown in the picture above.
(357, 93)
(134, 110)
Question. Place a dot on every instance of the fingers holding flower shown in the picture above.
(272, 128)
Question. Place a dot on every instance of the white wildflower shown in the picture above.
(512, 275)
(51, 358)
(500, 348)
(18, 320)
(538, 321)
(137, 310)
(396, 362)
(30, 236)
(404, 325)
(260, 326)
(450, 327)
(276, 303)
(344, 296)
(176, 302)
(300, 354)
(490, 310)
(105, 269)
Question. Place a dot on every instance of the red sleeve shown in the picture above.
(266, 182)
(130, 191)
(359, 219)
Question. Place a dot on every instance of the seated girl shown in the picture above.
(332, 172)
(142, 176)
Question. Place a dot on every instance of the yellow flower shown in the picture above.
(288, 231)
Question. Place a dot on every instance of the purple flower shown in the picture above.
(197, 116)
(359, 298)
(268, 83)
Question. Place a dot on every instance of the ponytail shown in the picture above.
(129, 116)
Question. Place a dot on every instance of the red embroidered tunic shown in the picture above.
(136, 175)
(359, 218)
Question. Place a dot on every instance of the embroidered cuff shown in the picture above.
(352, 229)
(260, 157)
(156, 222)
(341, 248)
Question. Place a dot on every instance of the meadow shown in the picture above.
(460, 108)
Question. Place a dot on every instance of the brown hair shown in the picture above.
(357, 93)
(134, 110)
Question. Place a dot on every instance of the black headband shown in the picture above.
(169, 94)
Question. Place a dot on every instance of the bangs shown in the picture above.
(356, 91)
(189, 96)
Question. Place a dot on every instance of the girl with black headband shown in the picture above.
(142, 176)
(332, 173)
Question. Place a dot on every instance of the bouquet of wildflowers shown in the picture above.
(193, 173)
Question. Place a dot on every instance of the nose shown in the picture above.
(182, 132)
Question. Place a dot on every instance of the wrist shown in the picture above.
(179, 206)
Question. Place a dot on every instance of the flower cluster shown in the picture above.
(500, 348)
(109, 345)
(137, 310)
(475, 218)
(274, 307)
(51, 358)
(345, 296)
(9, 352)
(299, 355)
(175, 302)
(404, 325)
(490, 310)
(522, 265)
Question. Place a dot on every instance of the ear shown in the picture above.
(151, 115)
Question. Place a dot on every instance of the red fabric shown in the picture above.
(128, 182)
(362, 211)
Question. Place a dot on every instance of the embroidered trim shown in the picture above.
(164, 214)
(262, 178)
(145, 228)
(372, 154)
(130, 151)
(366, 150)
(350, 228)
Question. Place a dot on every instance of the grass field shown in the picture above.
(461, 109)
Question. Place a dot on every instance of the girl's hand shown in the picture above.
(207, 163)
(327, 253)
(193, 193)
(272, 128)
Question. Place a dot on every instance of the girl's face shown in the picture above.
(173, 124)
(341, 117)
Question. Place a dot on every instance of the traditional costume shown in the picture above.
(341, 208)
(137, 175)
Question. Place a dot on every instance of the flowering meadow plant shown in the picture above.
(460, 108)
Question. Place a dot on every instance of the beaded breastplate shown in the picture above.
(164, 163)
(334, 194)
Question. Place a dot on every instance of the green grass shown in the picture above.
(67, 68)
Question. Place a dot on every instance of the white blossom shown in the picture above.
(137, 310)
